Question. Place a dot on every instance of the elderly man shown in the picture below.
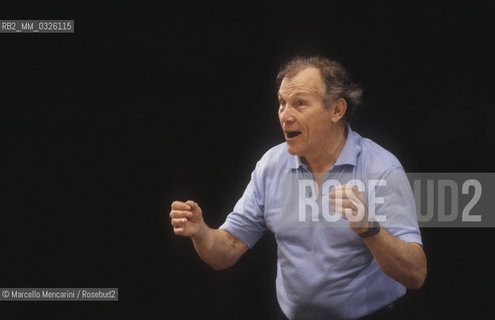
(348, 241)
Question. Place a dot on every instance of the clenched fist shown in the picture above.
(351, 203)
(186, 218)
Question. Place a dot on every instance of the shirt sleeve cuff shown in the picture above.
(248, 238)
(410, 237)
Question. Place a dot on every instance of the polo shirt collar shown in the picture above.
(348, 155)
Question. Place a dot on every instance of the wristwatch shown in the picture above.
(373, 229)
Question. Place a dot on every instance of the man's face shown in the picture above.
(305, 122)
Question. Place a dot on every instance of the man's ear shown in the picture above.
(338, 109)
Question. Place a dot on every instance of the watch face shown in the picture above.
(372, 230)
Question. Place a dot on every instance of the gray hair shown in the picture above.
(338, 83)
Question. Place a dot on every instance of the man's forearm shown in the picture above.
(403, 261)
(217, 247)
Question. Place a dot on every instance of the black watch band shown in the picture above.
(373, 229)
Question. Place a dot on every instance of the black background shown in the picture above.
(144, 104)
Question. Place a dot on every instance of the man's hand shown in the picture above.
(351, 203)
(403, 261)
(186, 218)
(216, 247)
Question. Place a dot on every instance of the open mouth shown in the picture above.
(292, 134)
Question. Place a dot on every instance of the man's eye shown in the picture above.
(283, 103)
(300, 103)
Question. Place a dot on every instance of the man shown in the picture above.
(335, 260)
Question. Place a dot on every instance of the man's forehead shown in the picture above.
(305, 82)
(303, 92)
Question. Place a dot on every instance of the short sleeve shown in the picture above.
(393, 201)
(246, 222)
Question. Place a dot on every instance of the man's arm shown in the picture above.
(403, 261)
(216, 247)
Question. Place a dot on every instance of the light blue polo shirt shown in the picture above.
(324, 269)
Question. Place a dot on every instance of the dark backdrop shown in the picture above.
(102, 129)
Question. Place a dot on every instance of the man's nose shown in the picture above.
(286, 117)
